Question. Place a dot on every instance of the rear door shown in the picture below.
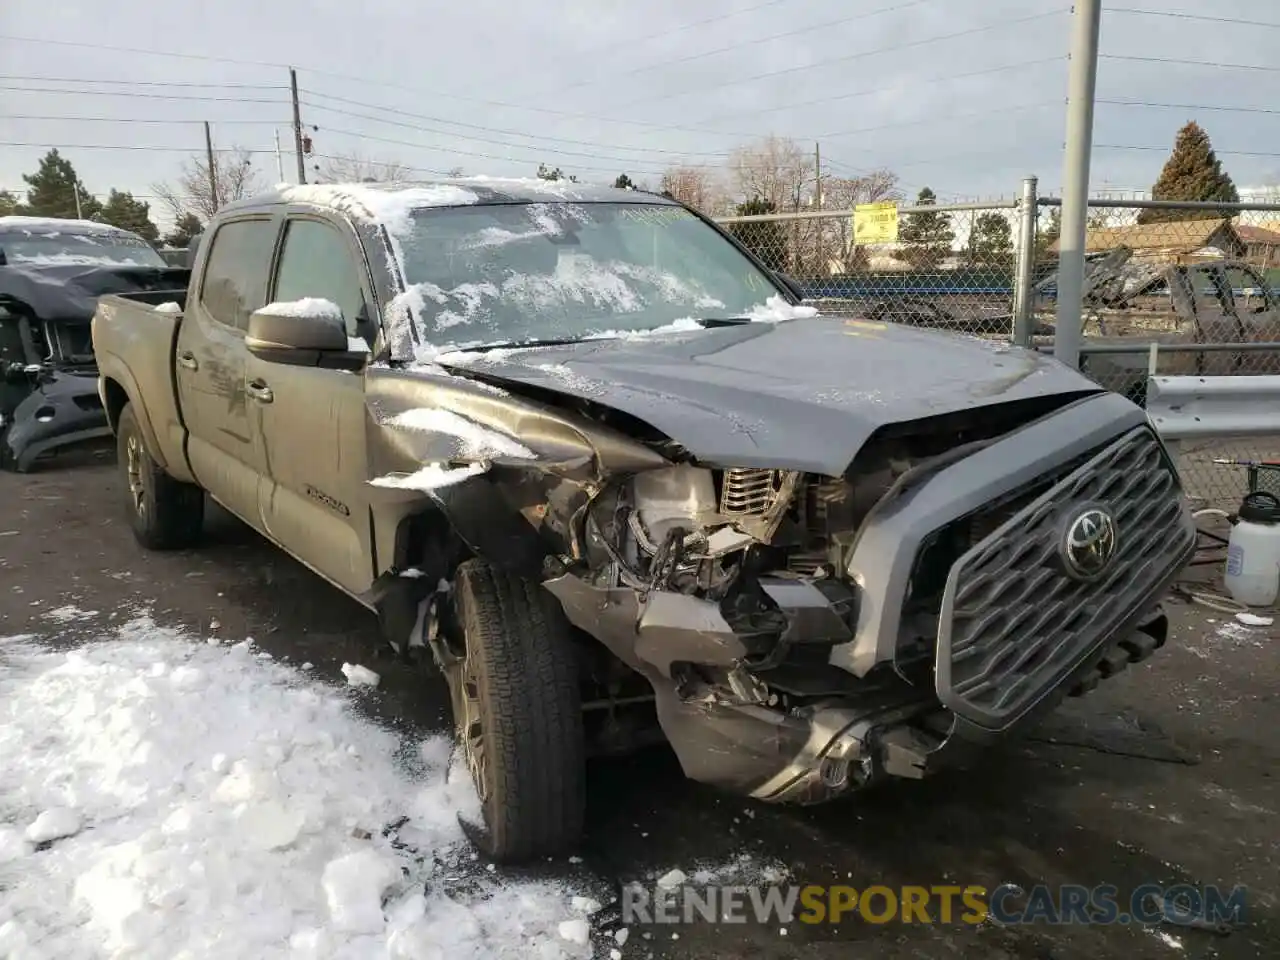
(313, 427)
(225, 455)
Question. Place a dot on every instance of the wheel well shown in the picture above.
(116, 397)
(428, 541)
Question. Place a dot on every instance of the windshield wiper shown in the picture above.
(519, 344)
(722, 321)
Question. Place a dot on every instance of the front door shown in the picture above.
(313, 424)
(225, 455)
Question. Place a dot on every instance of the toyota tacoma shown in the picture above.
(582, 452)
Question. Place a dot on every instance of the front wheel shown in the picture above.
(165, 514)
(518, 714)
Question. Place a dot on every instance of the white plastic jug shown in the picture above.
(1253, 551)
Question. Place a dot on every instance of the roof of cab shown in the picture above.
(377, 201)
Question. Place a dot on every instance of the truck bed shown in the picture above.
(135, 343)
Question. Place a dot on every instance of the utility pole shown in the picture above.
(297, 126)
(213, 170)
(75, 190)
(1082, 81)
(279, 158)
(822, 232)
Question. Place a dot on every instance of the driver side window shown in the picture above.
(316, 262)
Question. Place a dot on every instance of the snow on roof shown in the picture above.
(57, 223)
(387, 204)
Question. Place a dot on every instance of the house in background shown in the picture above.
(1173, 241)
(1262, 245)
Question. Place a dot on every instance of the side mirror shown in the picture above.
(306, 333)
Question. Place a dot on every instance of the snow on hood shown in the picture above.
(198, 800)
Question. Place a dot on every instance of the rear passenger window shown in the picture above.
(235, 275)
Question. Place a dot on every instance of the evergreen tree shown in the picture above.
(1192, 172)
(123, 211)
(554, 173)
(926, 236)
(52, 190)
(624, 182)
(766, 239)
(186, 227)
(9, 204)
(990, 240)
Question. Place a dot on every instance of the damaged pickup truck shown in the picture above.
(585, 450)
(51, 273)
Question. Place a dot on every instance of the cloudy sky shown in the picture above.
(966, 96)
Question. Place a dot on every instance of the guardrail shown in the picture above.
(1186, 408)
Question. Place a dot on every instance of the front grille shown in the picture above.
(1015, 624)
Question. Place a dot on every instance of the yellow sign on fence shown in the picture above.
(875, 223)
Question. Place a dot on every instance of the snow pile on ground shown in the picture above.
(161, 797)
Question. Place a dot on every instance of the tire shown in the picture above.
(165, 514)
(520, 677)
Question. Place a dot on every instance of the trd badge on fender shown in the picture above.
(335, 505)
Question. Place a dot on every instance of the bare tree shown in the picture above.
(354, 168)
(774, 169)
(845, 193)
(233, 173)
(694, 186)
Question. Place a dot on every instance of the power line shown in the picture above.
(934, 120)
(147, 83)
(1191, 16)
(631, 44)
(1165, 149)
(633, 162)
(1188, 63)
(124, 146)
(139, 50)
(133, 94)
(844, 58)
(947, 78)
(469, 126)
(349, 78)
(1185, 106)
(26, 116)
(738, 46)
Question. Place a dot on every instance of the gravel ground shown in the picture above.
(1166, 774)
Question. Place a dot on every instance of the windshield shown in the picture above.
(504, 273)
(56, 247)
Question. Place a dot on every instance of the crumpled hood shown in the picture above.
(805, 394)
(70, 291)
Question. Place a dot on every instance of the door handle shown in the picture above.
(188, 360)
(259, 391)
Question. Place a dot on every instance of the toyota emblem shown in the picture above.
(1089, 543)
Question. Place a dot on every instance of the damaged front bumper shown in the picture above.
(62, 410)
(851, 690)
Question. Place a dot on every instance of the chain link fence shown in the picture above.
(1180, 276)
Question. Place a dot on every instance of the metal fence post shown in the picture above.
(1081, 85)
(1024, 264)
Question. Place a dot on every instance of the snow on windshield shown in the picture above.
(506, 273)
(46, 242)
